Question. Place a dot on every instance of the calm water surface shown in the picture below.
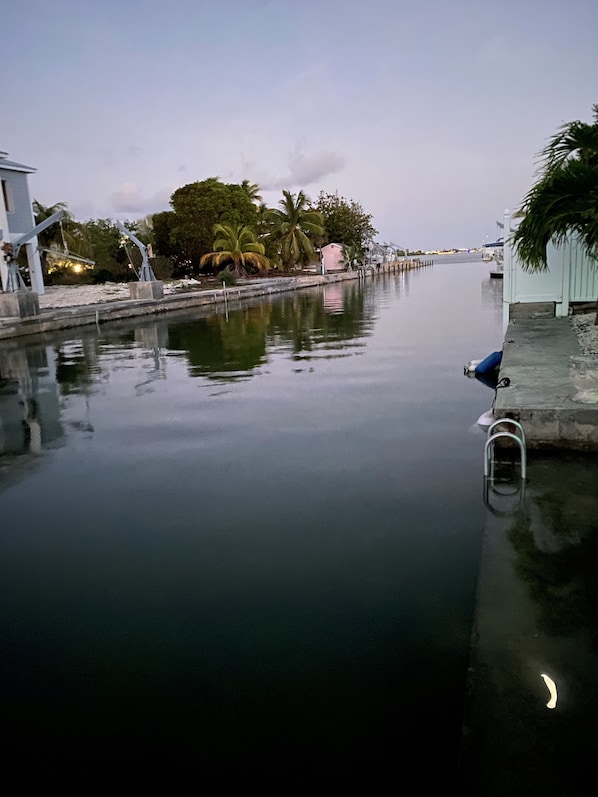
(254, 540)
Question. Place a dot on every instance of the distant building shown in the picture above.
(16, 218)
(381, 253)
(332, 257)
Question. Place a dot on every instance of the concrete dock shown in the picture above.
(552, 395)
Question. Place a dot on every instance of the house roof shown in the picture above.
(13, 166)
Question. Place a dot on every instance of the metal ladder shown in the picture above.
(490, 487)
(519, 438)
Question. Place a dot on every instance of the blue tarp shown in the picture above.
(491, 362)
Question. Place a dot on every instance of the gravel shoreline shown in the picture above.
(587, 333)
(78, 295)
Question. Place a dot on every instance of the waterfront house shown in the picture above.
(332, 258)
(572, 277)
(16, 217)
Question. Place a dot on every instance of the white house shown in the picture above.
(571, 277)
(16, 218)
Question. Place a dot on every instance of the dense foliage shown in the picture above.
(345, 221)
(564, 199)
(198, 207)
(213, 225)
(236, 244)
(295, 226)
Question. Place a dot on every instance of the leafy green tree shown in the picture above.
(345, 221)
(352, 255)
(265, 227)
(197, 208)
(162, 225)
(53, 237)
(104, 240)
(252, 190)
(236, 244)
(295, 225)
(564, 199)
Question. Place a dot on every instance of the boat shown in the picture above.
(494, 253)
(493, 250)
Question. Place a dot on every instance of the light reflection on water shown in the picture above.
(260, 532)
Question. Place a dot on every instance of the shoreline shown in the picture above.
(61, 296)
(63, 307)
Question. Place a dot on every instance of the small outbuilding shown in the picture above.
(332, 258)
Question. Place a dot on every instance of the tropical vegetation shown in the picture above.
(345, 221)
(564, 199)
(52, 239)
(197, 207)
(353, 256)
(294, 226)
(214, 225)
(236, 244)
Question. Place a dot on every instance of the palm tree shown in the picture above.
(293, 224)
(265, 228)
(252, 190)
(564, 200)
(236, 243)
(53, 237)
(352, 255)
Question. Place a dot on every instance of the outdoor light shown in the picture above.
(551, 686)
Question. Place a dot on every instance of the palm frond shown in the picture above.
(576, 140)
(565, 201)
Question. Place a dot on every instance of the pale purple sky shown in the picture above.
(429, 113)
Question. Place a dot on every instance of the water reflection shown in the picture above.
(334, 298)
(46, 391)
(29, 402)
(533, 693)
(556, 545)
(240, 564)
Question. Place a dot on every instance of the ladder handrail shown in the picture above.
(511, 436)
(514, 423)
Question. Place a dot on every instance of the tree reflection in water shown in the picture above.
(557, 546)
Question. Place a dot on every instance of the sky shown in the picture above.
(429, 113)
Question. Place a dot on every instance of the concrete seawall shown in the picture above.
(51, 320)
(544, 393)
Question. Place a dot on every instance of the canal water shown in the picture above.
(250, 540)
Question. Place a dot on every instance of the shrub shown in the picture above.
(163, 267)
(227, 276)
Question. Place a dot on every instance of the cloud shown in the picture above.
(129, 199)
(305, 170)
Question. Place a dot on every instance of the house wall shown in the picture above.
(4, 238)
(332, 256)
(571, 277)
(583, 274)
(20, 220)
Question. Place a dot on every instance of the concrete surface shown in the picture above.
(542, 394)
(19, 304)
(153, 289)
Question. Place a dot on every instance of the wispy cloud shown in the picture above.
(303, 170)
(129, 199)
